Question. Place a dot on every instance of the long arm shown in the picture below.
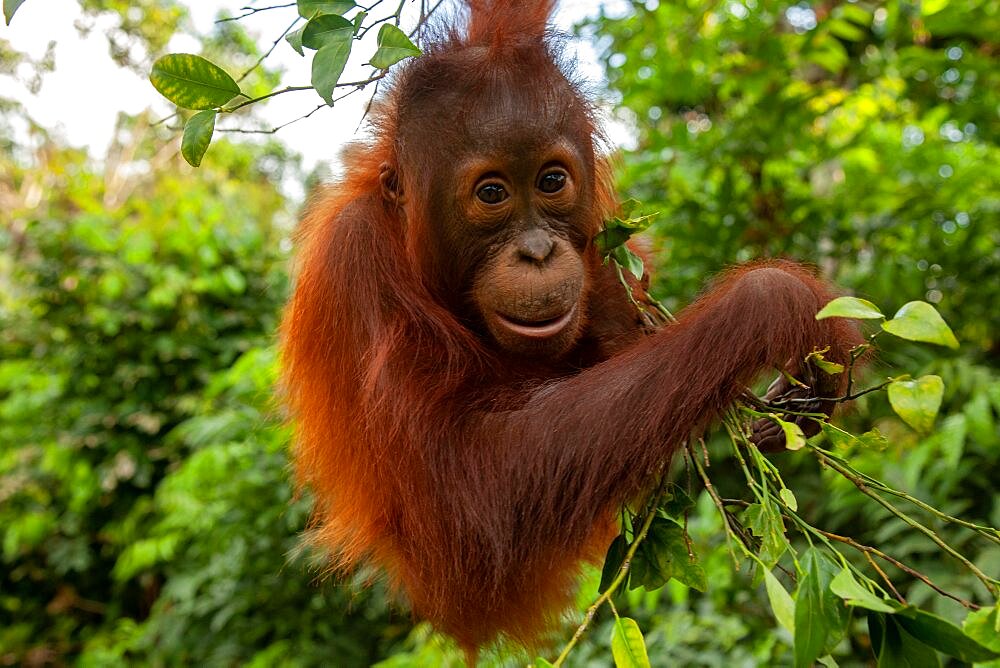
(625, 416)
(482, 515)
(538, 483)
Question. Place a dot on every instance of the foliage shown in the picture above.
(146, 514)
(146, 510)
(196, 83)
(859, 137)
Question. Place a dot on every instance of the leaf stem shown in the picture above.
(988, 582)
(250, 11)
(868, 550)
(990, 533)
(619, 578)
(274, 45)
(273, 93)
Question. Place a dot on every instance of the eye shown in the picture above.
(552, 182)
(491, 193)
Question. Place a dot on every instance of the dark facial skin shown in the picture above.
(509, 183)
(530, 287)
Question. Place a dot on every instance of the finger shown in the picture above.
(778, 386)
(767, 436)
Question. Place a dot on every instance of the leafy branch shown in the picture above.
(829, 586)
(331, 30)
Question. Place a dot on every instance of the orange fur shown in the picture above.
(478, 482)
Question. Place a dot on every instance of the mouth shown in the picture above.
(537, 329)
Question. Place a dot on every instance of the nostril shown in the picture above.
(535, 245)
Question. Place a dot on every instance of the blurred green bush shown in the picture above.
(146, 512)
(861, 137)
(145, 508)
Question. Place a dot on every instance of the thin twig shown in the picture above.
(424, 18)
(354, 85)
(364, 82)
(250, 11)
(856, 354)
(364, 31)
(619, 578)
(867, 549)
(990, 533)
(273, 93)
(275, 129)
(371, 100)
(165, 119)
(730, 532)
(885, 578)
(846, 397)
(990, 583)
(274, 45)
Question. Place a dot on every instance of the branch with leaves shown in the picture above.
(328, 29)
(654, 547)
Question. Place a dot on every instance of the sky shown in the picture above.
(82, 97)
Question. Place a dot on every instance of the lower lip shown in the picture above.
(540, 331)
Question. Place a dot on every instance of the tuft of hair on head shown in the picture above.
(495, 22)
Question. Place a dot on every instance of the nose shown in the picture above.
(535, 245)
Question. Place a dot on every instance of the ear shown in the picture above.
(388, 179)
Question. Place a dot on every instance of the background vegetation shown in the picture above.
(145, 510)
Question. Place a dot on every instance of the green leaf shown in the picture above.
(854, 14)
(295, 40)
(850, 307)
(393, 46)
(845, 30)
(679, 501)
(326, 29)
(192, 82)
(542, 663)
(830, 368)
(788, 498)
(628, 207)
(849, 589)
(327, 66)
(838, 437)
(613, 562)
(876, 630)
(917, 401)
(359, 19)
(643, 571)
(310, 8)
(873, 440)
(943, 636)
(234, 280)
(197, 136)
(627, 645)
(919, 321)
(611, 238)
(983, 626)
(665, 551)
(820, 616)
(795, 439)
(628, 260)
(765, 522)
(899, 649)
(928, 7)
(9, 7)
(781, 602)
(619, 230)
(828, 53)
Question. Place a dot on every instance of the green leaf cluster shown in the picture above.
(195, 82)
(148, 517)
